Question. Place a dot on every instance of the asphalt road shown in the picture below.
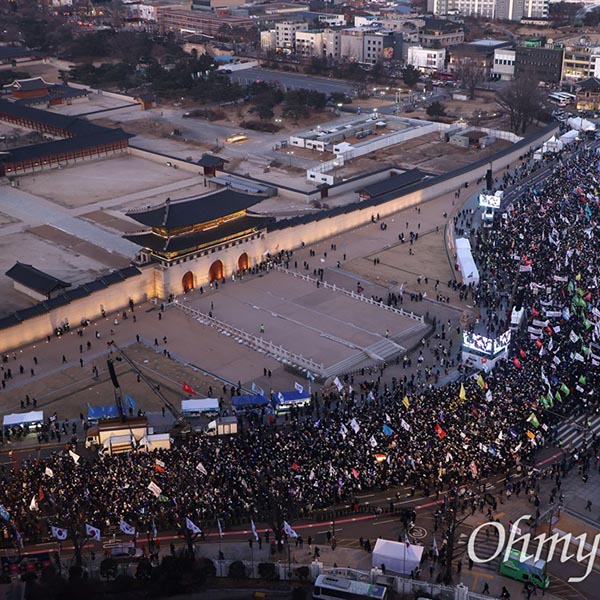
(294, 80)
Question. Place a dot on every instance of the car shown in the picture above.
(236, 138)
(125, 552)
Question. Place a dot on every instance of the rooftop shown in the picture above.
(173, 215)
(34, 279)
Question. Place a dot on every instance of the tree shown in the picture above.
(264, 112)
(411, 75)
(522, 100)
(470, 72)
(436, 109)
(451, 521)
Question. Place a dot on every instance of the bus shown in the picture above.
(442, 76)
(558, 98)
(328, 587)
(527, 570)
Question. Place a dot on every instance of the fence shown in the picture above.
(259, 343)
(353, 295)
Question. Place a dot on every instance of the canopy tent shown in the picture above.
(466, 264)
(569, 137)
(581, 124)
(250, 400)
(95, 413)
(29, 418)
(552, 145)
(396, 556)
(291, 398)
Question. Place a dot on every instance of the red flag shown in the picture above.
(355, 473)
(188, 389)
(40, 493)
(295, 466)
(522, 353)
(159, 466)
(536, 314)
(440, 432)
(517, 362)
(549, 330)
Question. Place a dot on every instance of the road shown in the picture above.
(294, 81)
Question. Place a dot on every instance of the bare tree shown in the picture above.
(470, 72)
(521, 99)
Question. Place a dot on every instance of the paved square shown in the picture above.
(325, 325)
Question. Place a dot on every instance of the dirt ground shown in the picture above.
(100, 180)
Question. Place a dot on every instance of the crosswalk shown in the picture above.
(572, 433)
(484, 546)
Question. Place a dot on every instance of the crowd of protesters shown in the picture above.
(376, 434)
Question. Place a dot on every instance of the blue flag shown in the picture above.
(130, 402)
(4, 513)
(387, 429)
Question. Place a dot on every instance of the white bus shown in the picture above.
(558, 98)
(568, 96)
(332, 588)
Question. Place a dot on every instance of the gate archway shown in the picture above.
(243, 262)
(215, 271)
(187, 282)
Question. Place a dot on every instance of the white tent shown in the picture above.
(569, 137)
(580, 124)
(553, 145)
(33, 417)
(466, 264)
(196, 406)
(396, 556)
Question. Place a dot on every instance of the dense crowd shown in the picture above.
(542, 253)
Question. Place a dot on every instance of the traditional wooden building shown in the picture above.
(35, 283)
(82, 140)
(197, 241)
(36, 90)
(211, 163)
(588, 94)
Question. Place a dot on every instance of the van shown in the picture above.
(236, 138)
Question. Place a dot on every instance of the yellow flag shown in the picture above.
(530, 435)
(406, 402)
(480, 382)
(463, 393)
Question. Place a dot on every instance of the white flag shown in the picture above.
(126, 528)
(49, 472)
(298, 388)
(74, 456)
(344, 431)
(154, 532)
(435, 547)
(192, 526)
(200, 467)
(58, 533)
(354, 424)
(404, 425)
(220, 528)
(388, 419)
(92, 532)
(488, 395)
(373, 442)
(338, 384)
(573, 336)
(154, 489)
(311, 475)
(33, 505)
(280, 397)
(287, 529)
(254, 529)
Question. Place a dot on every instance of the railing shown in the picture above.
(267, 346)
(354, 295)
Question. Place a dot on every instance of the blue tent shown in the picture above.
(102, 412)
(249, 401)
(289, 399)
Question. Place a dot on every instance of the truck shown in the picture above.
(119, 435)
(530, 570)
(222, 426)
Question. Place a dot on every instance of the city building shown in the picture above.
(588, 94)
(441, 33)
(216, 4)
(426, 59)
(268, 40)
(468, 8)
(580, 59)
(285, 33)
(181, 20)
(480, 51)
(542, 64)
(366, 45)
(504, 64)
